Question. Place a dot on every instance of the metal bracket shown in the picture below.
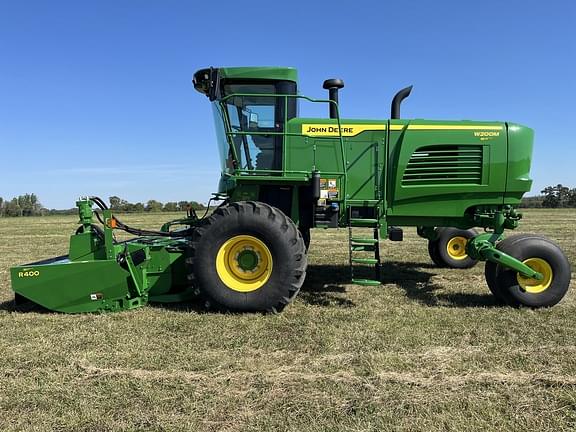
(135, 259)
(427, 232)
(483, 247)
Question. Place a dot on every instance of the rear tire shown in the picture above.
(247, 257)
(449, 249)
(433, 252)
(544, 256)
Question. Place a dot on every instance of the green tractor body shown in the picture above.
(283, 175)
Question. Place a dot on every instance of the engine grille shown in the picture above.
(444, 165)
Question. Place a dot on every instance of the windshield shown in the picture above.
(248, 128)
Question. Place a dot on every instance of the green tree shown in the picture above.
(138, 208)
(1, 206)
(12, 208)
(118, 204)
(154, 206)
(556, 196)
(196, 206)
(572, 198)
(531, 202)
(33, 206)
(170, 207)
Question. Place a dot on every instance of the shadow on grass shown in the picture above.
(326, 286)
(22, 305)
(323, 285)
(417, 285)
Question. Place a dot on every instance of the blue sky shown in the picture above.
(96, 97)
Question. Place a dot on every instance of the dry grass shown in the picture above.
(427, 351)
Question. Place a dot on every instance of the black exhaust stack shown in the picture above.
(333, 85)
(397, 101)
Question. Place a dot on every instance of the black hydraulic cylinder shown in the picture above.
(315, 185)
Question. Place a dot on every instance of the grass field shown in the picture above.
(429, 350)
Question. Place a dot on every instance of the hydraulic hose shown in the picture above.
(135, 231)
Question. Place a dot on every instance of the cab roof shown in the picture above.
(259, 72)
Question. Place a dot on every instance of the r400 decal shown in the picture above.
(28, 273)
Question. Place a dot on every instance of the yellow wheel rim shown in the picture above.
(535, 286)
(456, 248)
(244, 263)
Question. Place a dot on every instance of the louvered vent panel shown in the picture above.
(444, 165)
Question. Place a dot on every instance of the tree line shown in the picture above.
(121, 205)
(23, 205)
(558, 196)
(29, 205)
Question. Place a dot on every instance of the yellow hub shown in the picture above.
(535, 286)
(244, 263)
(456, 248)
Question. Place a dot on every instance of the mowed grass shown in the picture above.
(429, 350)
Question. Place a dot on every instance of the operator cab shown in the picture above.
(251, 106)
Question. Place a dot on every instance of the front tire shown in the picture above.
(247, 257)
(543, 256)
(491, 269)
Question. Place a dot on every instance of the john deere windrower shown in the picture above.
(283, 175)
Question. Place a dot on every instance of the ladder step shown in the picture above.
(363, 222)
(367, 282)
(363, 248)
(365, 260)
(363, 202)
(361, 240)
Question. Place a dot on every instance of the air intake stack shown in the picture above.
(333, 85)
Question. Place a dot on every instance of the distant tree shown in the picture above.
(138, 208)
(550, 199)
(154, 206)
(12, 208)
(170, 207)
(22, 205)
(71, 211)
(30, 205)
(556, 196)
(118, 204)
(571, 200)
(532, 202)
(197, 206)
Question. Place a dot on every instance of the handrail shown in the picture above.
(306, 173)
(285, 134)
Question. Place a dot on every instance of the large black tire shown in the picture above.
(274, 242)
(448, 250)
(491, 269)
(543, 255)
